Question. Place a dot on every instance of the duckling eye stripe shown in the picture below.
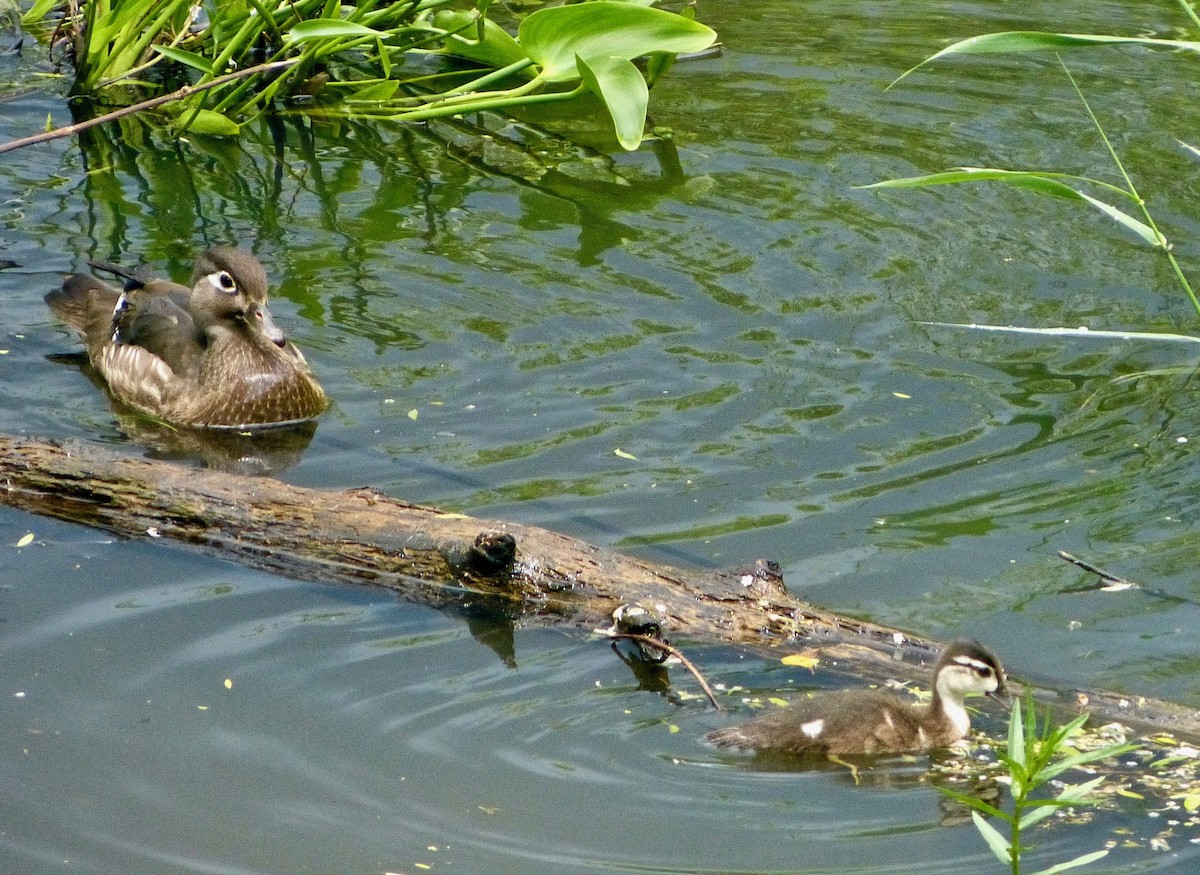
(971, 662)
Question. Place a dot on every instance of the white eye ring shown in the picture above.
(222, 280)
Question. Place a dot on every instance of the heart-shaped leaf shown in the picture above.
(554, 37)
(620, 85)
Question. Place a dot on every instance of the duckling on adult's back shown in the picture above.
(876, 721)
(208, 357)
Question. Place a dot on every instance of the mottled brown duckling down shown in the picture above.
(206, 357)
(876, 721)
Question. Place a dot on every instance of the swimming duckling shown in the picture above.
(876, 721)
(206, 357)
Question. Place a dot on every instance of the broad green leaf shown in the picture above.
(999, 844)
(554, 36)
(209, 122)
(191, 59)
(620, 85)
(329, 28)
(1071, 864)
(1036, 41)
(496, 48)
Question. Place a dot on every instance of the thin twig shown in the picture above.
(185, 91)
(1100, 572)
(687, 663)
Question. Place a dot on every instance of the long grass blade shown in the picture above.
(1083, 332)
(1007, 42)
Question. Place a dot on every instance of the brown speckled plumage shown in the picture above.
(206, 357)
(875, 721)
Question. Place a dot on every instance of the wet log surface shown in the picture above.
(499, 574)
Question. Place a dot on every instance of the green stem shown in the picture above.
(494, 76)
(1133, 192)
(1190, 13)
(429, 112)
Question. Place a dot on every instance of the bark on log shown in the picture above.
(520, 573)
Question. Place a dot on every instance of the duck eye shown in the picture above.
(226, 283)
(985, 672)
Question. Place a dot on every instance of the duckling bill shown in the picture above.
(876, 721)
(206, 357)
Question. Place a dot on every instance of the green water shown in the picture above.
(728, 309)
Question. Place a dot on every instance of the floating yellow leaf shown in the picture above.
(901, 395)
(672, 728)
(1121, 791)
(805, 659)
(488, 809)
(26, 540)
(422, 865)
(1192, 802)
(777, 702)
(624, 455)
(414, 413)
(229, 683)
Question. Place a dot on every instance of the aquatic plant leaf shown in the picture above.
(496, 47)
(555, 36)
(190, 59)
(385, 90)
(1071, 864)
(999, 844)
(329, 28)
(214, 124)
(619, 84)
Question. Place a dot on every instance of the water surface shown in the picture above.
(729, 310)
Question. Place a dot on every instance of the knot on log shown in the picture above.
(492, 553)
(762, 579)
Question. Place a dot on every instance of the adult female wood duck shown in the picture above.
(206, 357)
(876, 721)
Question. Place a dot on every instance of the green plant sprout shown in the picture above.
(1052, 184)
(1032, 760)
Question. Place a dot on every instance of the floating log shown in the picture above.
(525, 574)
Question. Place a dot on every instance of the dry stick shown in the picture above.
(687, 663)
(153, 102)
(1100, 572)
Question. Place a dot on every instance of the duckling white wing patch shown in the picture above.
(813, 728)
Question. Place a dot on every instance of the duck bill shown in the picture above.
(1002, 696)
(267, 324)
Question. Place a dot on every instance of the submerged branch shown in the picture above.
(529, 575)
(152, 103)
